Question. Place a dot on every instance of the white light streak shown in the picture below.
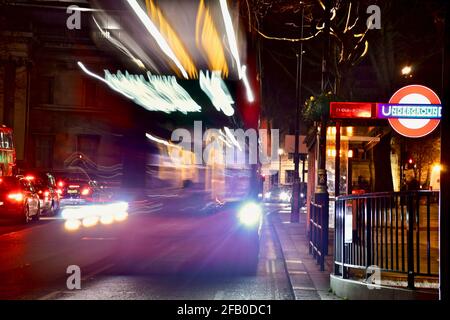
(248, 89)
(158, 93)
(154, 32)
(231, 136)
(161, 141)
(231, 35)
(217, 91)
(103, 80)
(119, 45)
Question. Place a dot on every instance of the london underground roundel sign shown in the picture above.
(415, 111)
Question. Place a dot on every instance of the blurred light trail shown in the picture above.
(172, 38)
(231, 35)
(72, 224)
(103, 80)
(207, 38)
(119, 45)
(233, 139)
(159, 93)
(248, 89)
(217, 91)
(91, 215)
(154, 32)
(161, 141)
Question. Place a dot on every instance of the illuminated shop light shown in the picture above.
(215, 88)
(231, 35)
(154, 32)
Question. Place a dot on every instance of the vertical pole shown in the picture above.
(321, 195)
(337, 163)
(295, 214)
(410, 242)
(279, 168)
(444, 206)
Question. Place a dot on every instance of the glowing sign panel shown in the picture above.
(352, 110)
(409, 111)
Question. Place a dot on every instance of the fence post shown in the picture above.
(311, 227)
(368, 236)
(344, 270)
(336, 238)
(410, 245)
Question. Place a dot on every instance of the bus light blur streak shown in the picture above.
(119, 45)
(173, 39)
(217, 91)
(158, 93)
(231, 35)
(103, 80)
(151, 28)
(233, 139)
(248, 89)
(208, 39)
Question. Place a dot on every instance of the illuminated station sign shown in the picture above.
(413, 111)
(409, 111)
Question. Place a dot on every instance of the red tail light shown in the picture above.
(15, 196)
(46, 193)
(85, 191)
(60, 184)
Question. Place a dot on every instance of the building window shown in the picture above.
(90, 93)
(289, 175)
(44, 151)
(46, 90)
(87, 145)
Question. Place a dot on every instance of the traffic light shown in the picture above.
(409, 160)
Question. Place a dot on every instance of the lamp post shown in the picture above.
(280, 153)
(295, 210)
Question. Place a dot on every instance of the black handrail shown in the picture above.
(396, 232)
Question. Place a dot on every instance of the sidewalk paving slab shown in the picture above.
(307, 281)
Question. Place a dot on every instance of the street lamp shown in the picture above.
(406, 71)
(280, 153)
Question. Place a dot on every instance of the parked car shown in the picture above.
(45, 185)
(77, 191)
(19, 200)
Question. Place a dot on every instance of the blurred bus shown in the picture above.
(7, 152)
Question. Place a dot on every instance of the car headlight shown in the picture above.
(250, 214)
(284, 196)
(267, 195)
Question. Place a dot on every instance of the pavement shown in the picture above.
(306, 279)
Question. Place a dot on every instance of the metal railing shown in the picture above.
(318, 235)
(394, 231)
